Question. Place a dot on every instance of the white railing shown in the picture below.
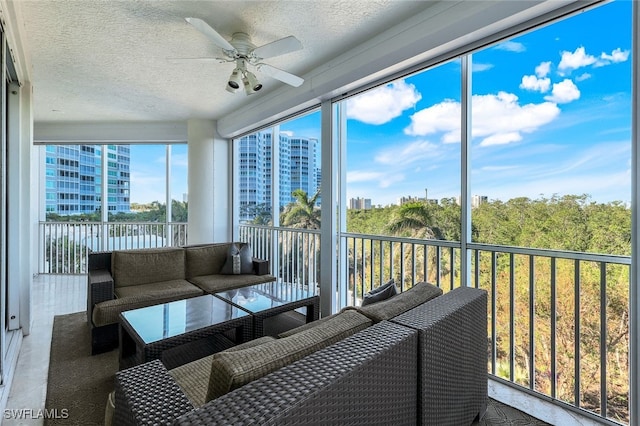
(558, 321)
(64, 245)
(294, 254)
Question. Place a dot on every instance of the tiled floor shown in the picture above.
(51, 295)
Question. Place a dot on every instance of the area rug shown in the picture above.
(78, 383)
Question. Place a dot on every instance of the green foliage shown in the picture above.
(155, 212)
(303, 213)
(570, 222)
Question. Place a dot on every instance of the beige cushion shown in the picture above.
(135, 267)
(139, 296)
(231, 370)
(193, 377)
(216, 283)
(206, 259)
(408, 299)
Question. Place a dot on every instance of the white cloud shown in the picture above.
(573, 60)
(497, 119)
(441, 117)
(410, 153)
(511, 46)
(583, 76)
(543, 69)
(379, 179)
(362, 176)
(383, 104)
(288, 133)
(564, 92)
(501, 138)
(498, 168)
(531, 82)
(579, 58)
(481, 67)
(617, 55)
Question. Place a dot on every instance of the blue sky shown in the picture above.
(148, 172)
(551, 115)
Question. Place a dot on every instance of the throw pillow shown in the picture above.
(385, 286)
(379, 294)
(239, 261)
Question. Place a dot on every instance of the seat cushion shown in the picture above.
(231, 370)
(136, 267)
(218, 282)
(139, 296)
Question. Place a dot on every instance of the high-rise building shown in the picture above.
(299, 169)
(360, 203)
(74, 178)
(304, 165)
(477, 200)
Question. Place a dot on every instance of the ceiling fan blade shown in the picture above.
(278, 47)
(206, 29)
(278, 74)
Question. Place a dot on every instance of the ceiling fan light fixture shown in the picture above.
(235, 80)
(251, 83)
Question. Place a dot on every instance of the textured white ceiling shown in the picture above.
(108, 60)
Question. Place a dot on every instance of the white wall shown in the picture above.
(208, 183)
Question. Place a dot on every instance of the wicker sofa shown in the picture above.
(426, 365)
(128, 279)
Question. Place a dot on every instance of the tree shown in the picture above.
(416, 219)
(303, 213)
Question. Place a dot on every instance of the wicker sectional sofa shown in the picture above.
(128, 279)
(417, 358)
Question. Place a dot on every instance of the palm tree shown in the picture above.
(302, 213)
(417, 219)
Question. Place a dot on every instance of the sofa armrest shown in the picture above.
(261, 266)
(453, 338)
(148, 395)
(100, 287)
(97, 260)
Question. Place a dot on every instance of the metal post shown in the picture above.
(329, 216)
(168, 231)
(634, 296)
(465, 198)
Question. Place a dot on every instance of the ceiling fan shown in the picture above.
(243, 52)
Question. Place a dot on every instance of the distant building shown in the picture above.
(299, 169)
(74, 178)
(413, 199)
(360, 203)
(476, 200)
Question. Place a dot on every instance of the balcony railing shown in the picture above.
(558, 321)
(294, 254)
(64, 245)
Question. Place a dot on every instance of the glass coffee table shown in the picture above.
(264, 301)
(181, 331)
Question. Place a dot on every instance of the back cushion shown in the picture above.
(206, 259)
(233, 369)
(135, 267)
